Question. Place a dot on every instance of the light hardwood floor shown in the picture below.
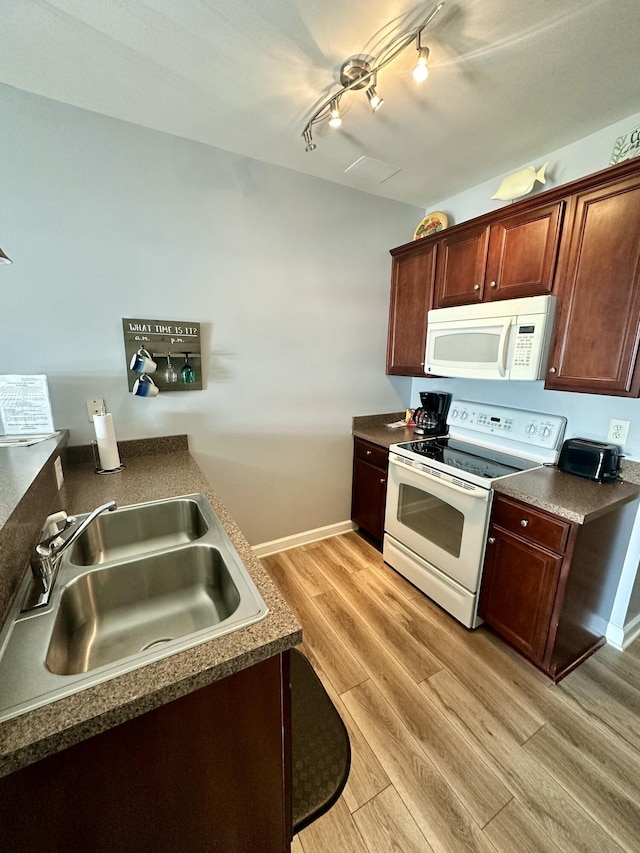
(457, 743)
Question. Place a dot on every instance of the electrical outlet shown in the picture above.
(94, 407)
(618, 431)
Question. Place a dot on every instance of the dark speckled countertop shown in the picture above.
(374, 428)
(566, 495)
(60, 724)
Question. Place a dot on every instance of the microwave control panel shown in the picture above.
(471, 420)
(523, 349)
(530, 351)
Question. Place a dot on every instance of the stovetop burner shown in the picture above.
(469, 458)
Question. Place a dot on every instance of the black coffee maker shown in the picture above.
(431, 417)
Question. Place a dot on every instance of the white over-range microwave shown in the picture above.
(508, 339)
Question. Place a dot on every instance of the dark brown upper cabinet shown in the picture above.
(515, 256)
(412, 284)
(580, 242)
(597, 334)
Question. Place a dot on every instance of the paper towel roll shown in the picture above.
(107, 444)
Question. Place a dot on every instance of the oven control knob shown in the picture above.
(545, 432)
(464, 416)
(454, 413)
(531, 429)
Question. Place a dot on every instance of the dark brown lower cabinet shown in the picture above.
(548, 584)
(369, 489)
(210, 771)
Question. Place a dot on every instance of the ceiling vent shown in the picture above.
(370, 171)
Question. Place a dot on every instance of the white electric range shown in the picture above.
(439, 496)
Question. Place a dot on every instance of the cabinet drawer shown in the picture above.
(530, 523)
(371, 453)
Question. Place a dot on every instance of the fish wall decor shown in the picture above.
(520, 183)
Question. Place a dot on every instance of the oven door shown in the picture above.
(441, 521)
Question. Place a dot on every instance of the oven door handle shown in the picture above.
(477, 492)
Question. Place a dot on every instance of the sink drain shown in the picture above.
(156, 643)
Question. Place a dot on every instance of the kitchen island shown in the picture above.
(171, 705)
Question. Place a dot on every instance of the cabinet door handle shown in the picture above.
(368, 453)
(493, 284)
(552, 370)
(476, 287)
(524, 523)
(491, 540)
(382, 480)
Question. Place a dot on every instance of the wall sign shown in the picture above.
(626, 146)
(172, 345)
(25, 407)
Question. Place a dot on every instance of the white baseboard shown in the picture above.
(620, 638)
(303, 538)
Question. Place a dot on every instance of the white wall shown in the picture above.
(580, 158)
(588, 415)
(288, 274)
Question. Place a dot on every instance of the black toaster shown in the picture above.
(591, 459)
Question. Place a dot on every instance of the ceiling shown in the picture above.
(510, 80)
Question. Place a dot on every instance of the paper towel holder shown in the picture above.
(96, 461)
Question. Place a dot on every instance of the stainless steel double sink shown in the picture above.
(141, 583)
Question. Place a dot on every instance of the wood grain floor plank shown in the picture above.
(373, 561)
(335, 658)
(455, 650)
(481, 791)
(513, 830)
(351, 558)
(311, 582)
(387, 826)
(413, 655)
(581, 728)
(623, 664)
(296, 845)
(440, 815)
(607, 698)
(613, 809)
(634, 649)
(366, 776)
(546, 801)
(604, 748)
(332, 832)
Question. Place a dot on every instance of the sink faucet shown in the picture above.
(46, 554)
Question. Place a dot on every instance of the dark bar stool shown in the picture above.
(319, 744)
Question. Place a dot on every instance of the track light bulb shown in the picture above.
(335, 120)
(311, 146)
(421, 71)
(375, 101)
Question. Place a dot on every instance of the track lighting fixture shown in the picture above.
(358, 73)
(4, 259)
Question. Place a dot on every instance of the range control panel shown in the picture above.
(467, 419)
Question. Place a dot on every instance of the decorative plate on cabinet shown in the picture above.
(431, 224)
